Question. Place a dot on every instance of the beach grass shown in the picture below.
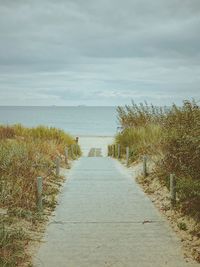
(25, 154)
(172, 135)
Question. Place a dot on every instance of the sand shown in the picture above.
(88, 142)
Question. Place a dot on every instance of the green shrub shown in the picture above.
(182, 226)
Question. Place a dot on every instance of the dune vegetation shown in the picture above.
(171, 136)
(25, 154)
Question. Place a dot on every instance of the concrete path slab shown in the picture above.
(104, 219)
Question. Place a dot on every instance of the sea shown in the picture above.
(78, 121)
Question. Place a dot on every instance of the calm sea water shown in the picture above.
(94, 121)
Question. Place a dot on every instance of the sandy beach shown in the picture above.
(88, 142)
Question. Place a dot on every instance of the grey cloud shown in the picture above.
(99, 52)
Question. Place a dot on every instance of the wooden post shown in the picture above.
(108, 150)
(66, 155)
(113, 151)
(77, 150)
(172, 190)
(145, 166)
(72, 151)
(127, 156)
(57, 166)
(39, 193)
(118, 151)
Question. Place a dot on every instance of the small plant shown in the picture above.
(12, 246)
(182, 226)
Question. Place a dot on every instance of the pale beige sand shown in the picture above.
(88, 142)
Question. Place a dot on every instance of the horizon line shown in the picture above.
(55, 106)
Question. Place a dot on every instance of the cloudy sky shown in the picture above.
(99, 52)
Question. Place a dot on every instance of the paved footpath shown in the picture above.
(104, 219)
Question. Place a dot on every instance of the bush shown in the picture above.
(142, 139)
(173, 133)
(181, 150)
(29, 153)
(140, 115)
(181, 142)
(6, 132)
(25, 154)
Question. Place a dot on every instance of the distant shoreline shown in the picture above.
(94, 136)
(54, 106)
(80, 121)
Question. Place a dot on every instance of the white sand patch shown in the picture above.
(88, 142)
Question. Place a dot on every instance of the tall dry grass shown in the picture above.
(142, 139)
(140, 115)
(173, 134)
(25, 154)
(181, 150)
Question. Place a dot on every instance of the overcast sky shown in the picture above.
(99, 52)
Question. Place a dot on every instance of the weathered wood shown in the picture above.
(72, 151)
(113, 151)
(145, 173)
(118, 151)
(66, 155)
(172, 190)
(109, 151)
(57, 166)
(39, 193)
(77, 150)
(127, 156)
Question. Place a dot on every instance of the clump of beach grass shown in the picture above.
(172, 135)
(25, 154)
(142, 139)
